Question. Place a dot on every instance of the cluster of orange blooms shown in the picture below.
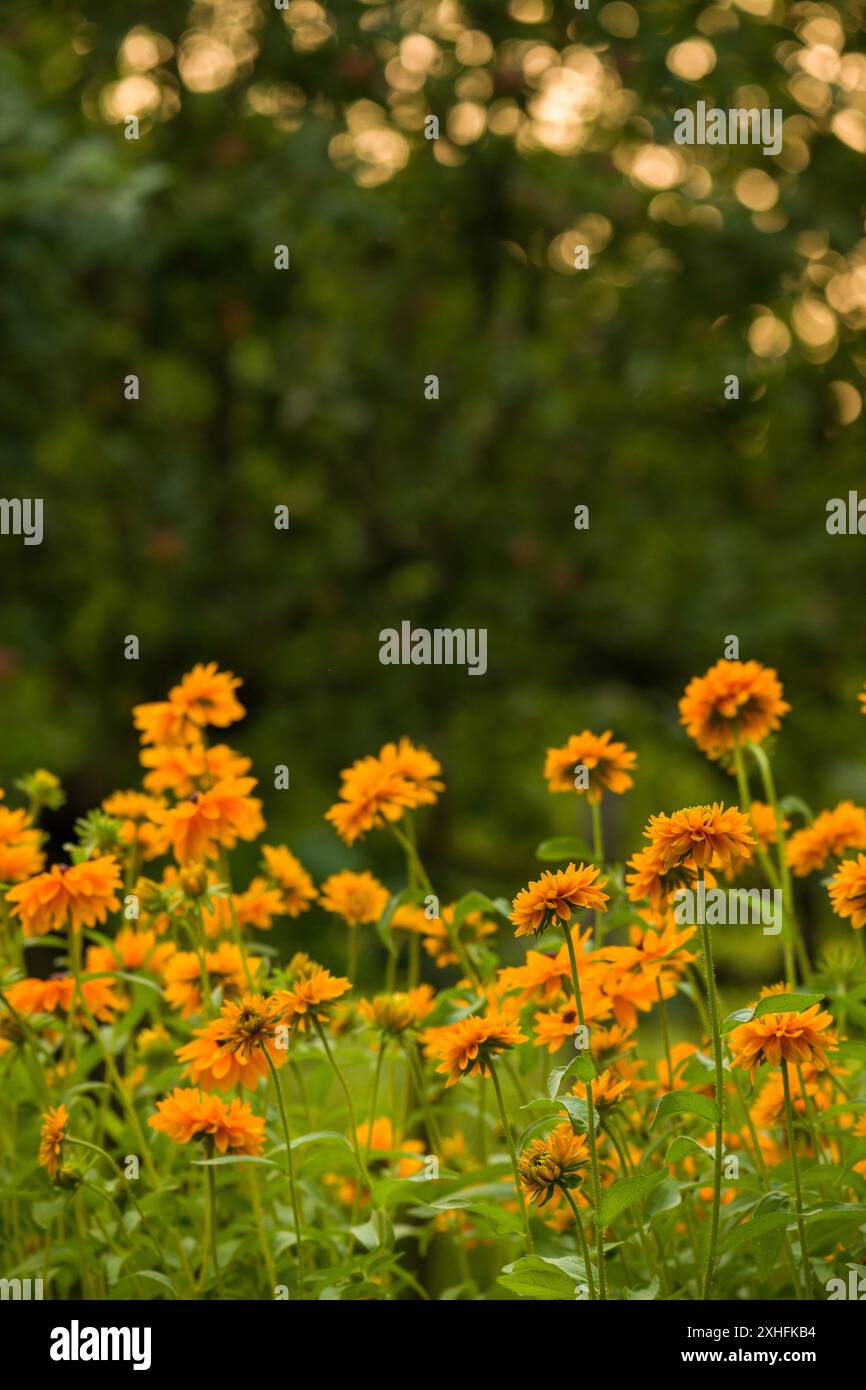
(234, 1018)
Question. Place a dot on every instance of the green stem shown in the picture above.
(509, 1139)
(353, 1125)
(590, 1122)
(211, 1200)
(795, 1168)
(290, 1169)
(712, 999)
(584, 1248)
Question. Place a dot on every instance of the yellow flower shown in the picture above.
(829, 835)
(375, 791)
(700, 835)
(206, 695)
(466, 1047)
(556, 1162)
(847, 889)
(311, 995)
(355, 897)
(207, 820)
(55, 1123)
(187, 1113)
(609, 764)
(79, 895)
(555, 896)
(794, 1036)
(396, 1013)
(733, 698)
(291, 877)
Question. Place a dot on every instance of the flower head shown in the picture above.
(311, 995)
(357, 898)
(188, 1112)
(700, 835)
(206, 695)
(467, 1046)
(290, 876)
(554, 1163)
(608, 763)
(794, 1036)
(75, 896)
(734, 701)
(829, 835)
(555, 896)
(847, 890)
(55, 1123)
(377, 790)
(207, 820)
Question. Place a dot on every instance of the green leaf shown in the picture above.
(582, 1067)
(786, 1003)
(501, 1221)
(578, 1114)
(383, 926)
(682, 1146)
(479, 902)
(563, 848)
(736, 1018)
(790, 804)
(231, 1158)
(664, 1198)
(687, 1103)
(626, 1192)
(533, 1277)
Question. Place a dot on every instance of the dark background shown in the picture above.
(306, 388)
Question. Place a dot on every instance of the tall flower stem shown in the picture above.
(584, 1249)
(795, 1169)
(509, 1139)
(353, 1125)
(666, 1035)
(290, 1169)
(762, 857)
(784, 868)
(212, 1225)
(712, 999)
(374, 1098)
(590, 1122)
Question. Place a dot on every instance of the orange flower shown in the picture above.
(206, 695)
(794, 1036)
(609, 763)
(32, 996)
(162, 722)
(311, 994)
(185, 769)
(20, 855)
(259, 905)
(556, 1162)
(291, 877)
(229, 1051)
(55, 1123)
(542, 975)
(829, 835)
(396, 1013)
(553, 897)
(467, 1047)
(355, 897)
(378, 790)
(80, 895)
(187, 1113)
(764, 824)
(649, 881)
(847, 889)
(207, 820)
(225, 967)
(700, 835)
(733, 698)
(553, 1027)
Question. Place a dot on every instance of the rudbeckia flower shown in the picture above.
(74, 896)
(375, 791)
(608, 763)
(701, 835)
(187, 1113)
(290, 876)
(394, 1014)
(829, 836)
(311, 994)
(734, 698)
(847, 889)
(206, 695)
(207, 820)
(357, 898)
(55, 1123)
(555, 896)
(467, 1047)
(794, 1036)
(548, 1165)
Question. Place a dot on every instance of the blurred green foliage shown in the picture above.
(306, 388)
